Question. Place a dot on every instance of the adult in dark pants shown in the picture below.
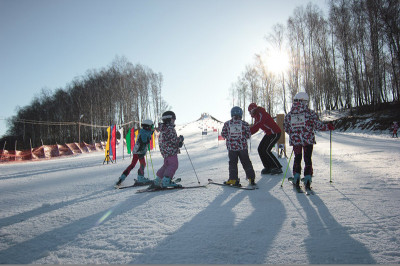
(264, 121)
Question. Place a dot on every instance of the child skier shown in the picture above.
(300, 124)
(395, 127)
(236, 132)
(264, 121)
(169, 144)
(139, 152)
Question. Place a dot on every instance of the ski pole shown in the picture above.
(147, 162)
(330, 160)
(191, 163)
(287, 167)
(154, 175)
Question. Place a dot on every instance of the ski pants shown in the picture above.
(169, 167)
(264, 150)
(234, 157)
(298, 154)
(135, 159)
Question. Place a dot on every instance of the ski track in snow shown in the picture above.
(66, 210)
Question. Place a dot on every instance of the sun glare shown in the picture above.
(277, 61)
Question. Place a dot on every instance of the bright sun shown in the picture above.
(277, 61)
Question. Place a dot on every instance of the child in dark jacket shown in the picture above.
(237, 132)
(300, 124)
(139, 152)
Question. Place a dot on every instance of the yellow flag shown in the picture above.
(107, 150)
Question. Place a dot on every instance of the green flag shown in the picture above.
(128, 141)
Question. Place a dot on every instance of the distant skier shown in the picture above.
(139, 152)
(395, 127)
(300, 123)
(264, 121)
(237, 132)
(169, 144)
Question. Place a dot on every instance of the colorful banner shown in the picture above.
(128, 141)
(113, 140)
(152, 141)
(133, 138)
(107, 149)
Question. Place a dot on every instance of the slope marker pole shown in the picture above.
(330, 160)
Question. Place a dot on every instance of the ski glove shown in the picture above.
(331, 126)
(181, 138)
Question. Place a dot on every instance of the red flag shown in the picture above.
(113, 149)
(132, 138)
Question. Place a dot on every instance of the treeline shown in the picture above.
(349, 59)
(121, 94)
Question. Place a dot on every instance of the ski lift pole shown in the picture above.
(287, 167)
(191, 163)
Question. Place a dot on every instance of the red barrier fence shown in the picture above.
(49, 151)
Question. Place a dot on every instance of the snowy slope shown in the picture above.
(66, 210)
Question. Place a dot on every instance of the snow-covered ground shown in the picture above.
(65, 210)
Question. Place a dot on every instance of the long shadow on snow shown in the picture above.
(328, 239)
(217, 236)
(45, 169)
(48, 208)
(33, 249)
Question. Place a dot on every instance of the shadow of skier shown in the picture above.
(222, 233)
(330, 242)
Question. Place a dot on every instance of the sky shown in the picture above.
(200, 47)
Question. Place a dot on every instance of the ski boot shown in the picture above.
(156, 183)
(307, 182)
(252, 181)
(296, 180)
(276, 171)
(233, 182)
(142, 180)
(265, 171)
(167, 182)
(120, 180)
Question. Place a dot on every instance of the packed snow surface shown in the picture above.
(66, 210)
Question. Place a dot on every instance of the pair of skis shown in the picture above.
(154, 189)
(299, 189)
(210, 181)
(250, 187)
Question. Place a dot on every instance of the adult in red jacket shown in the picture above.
(264, 121)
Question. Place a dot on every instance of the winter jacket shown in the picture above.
(301, 123)
(236, 133)
(168, 140)
(263, 120)
(142, 142)
(395, 127)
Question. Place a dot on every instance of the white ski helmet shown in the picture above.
(147, 123)
(301, 96)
